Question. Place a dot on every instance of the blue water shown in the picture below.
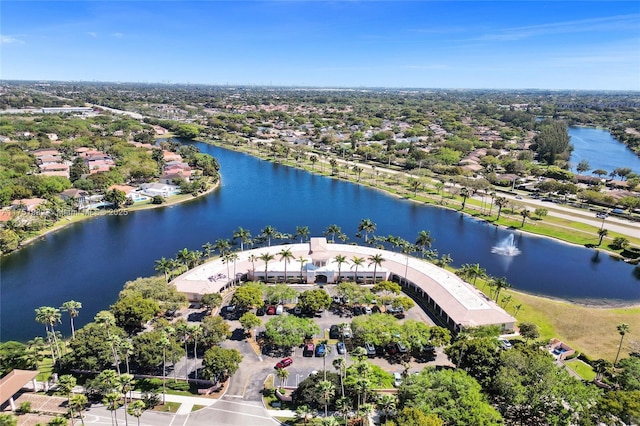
(601, 150)
(90, 261)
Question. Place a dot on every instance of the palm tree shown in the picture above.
(327, 390)
(358, 171)
(243, 235)
(222, 245)
(424, 241)
(125, 382)
(126, 348)
(268, 232)
(340, 259)
(332, 230)
(302, 232)
(49, 316)
(328, 421)
(72, 307)
(340, 364)
(286, 256)
(283, 375)
(622, 330)
(492, 194)
(314, 160)
(601, 366)
(415, 185)
(77, 403)
(517, 308)
(163, 265)
(525, 213)
(602, 233)
(107, 320)
(499, 284)
(252, 258)
(136, 408)
(164, 344)
(66, 383)
(475, 271)
(304, 413)
(375, 260)
(366, 226)
(501, 202)
(465, 192)
(357, 262)
(111, 402)
(266, 258)
(343, 405)
(302, 260)
(386, 403)
(207, 249)
(195, 332)
(183, 257)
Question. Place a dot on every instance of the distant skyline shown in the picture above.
(574, 45)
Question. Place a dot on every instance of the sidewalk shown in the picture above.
(186, 402)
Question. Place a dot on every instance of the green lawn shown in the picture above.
(582, 369)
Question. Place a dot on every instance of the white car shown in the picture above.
(505, 343)
(397, 379)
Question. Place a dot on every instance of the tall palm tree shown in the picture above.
(222, 245)
(252, 258)
(602, 233)
(517, 308)
(340, 259)
(283, 375)
(340, 365)
(375, 260)
(243, 235)
(501, 202)
(126, 348)
(268, 232)
(332, 230)
(492, 194)
(386, 403)
(476, 272)
(302, 260)
(343, 405)
(499, 284)
(424, 241)
(366, 226)
(465, 193)
(125, 383)
(327, 389)
(111, 402)
(302, 232)
(207, 248)
(73, 308)
(266, 258)
(525, 213)
(77, 403)
(622, 330)
(286, 256)
(183, 257)
(163, 265)
(304, 413)
(357, 262)
(136, 408)
(49, 316)
(195, 332)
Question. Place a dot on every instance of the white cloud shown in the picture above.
(117, 35)
(9, 40)
(92, 34)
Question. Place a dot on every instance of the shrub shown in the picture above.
(25, 407)
(181, 386)
(158, 199)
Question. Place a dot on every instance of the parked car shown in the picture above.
(505, 343)
(397, 379)
(297, 310)
(357, 310)
(334, 332)
(392, 349)
(337, 300)
(367, 310)
(401, 348)
(271, 310)
(308, 349)
(261, 311)
(321, 350)
(341, 348)
(347, 333)
(231, 308)
(279, 310)
(371, 350)
(284, 363)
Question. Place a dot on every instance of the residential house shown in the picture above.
(131, 192)
(171, 156)
(161, 189)
(27, 204)
(56, 169)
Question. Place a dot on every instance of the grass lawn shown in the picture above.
(590, 330)
(582, 369)
(197, 407)
(168, 407)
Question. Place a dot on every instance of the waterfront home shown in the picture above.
(78, 196)
(161, 189)
(171, 156)
(27, 204)
(131, 192)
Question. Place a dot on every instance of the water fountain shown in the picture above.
(506, 247)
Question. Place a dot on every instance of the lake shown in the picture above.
(90, 261)
(601, 150)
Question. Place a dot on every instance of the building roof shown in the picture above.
(13, 381)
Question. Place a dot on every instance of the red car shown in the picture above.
(284, 363)
(271, 310)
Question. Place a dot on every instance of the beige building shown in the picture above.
(455, 302)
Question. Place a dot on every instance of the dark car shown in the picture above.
(321, 350)
(284, 363)
(392, 349)
(357, 310)
(334, 332)
(261, 311)
(402, 348)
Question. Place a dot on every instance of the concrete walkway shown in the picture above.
(186, 402)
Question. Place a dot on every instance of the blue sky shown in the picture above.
(586, 45)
